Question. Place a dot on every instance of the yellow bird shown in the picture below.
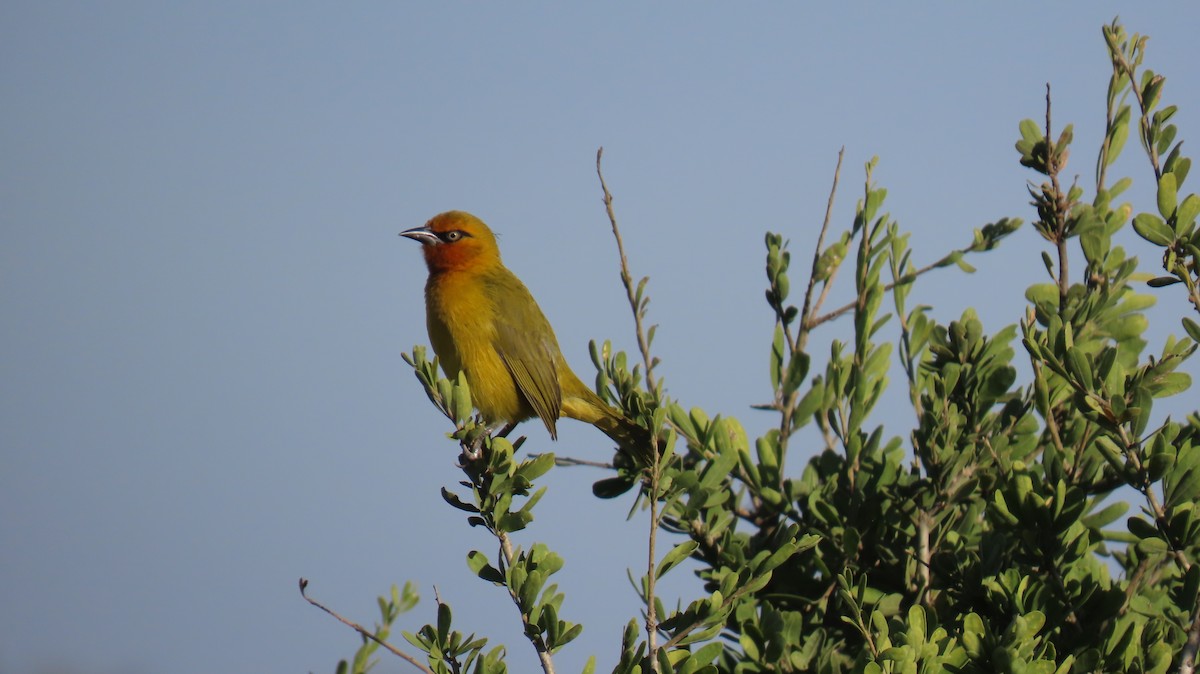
(484, 323)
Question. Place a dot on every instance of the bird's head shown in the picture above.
(455, 240)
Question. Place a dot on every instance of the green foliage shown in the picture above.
(1173, 227)
(986, 537)
(450, 652)
(390, 608)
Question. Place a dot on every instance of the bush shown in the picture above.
(983, 544)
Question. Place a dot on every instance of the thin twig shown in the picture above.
(651, 568)
(656, 466)
(1061, 210)
(362, 630)
(1187, 661)
(805, 327)
(569, 461)
(907, 278)
(796, 345)
(532, 632)
(627, 281)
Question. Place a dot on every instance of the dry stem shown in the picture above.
(657, 465)
(362, 630)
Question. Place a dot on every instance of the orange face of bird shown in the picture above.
(455, 240)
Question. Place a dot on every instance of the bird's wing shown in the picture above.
(527, 346)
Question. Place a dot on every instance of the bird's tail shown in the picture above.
(632, 439)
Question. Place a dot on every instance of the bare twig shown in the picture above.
(362, 630)
(907, 278)
(787, 407)
(569, 461)
(1062, 206)
(805, 326)
(1187, 660)
(627, 281)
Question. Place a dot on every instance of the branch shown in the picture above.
(805, 328)
(1061, 210)
(566, 461)
(362, 630)
(1187, 661)
(1144, 106)
(656, 467)
(532, 632)
(627, 280)
(945, 261)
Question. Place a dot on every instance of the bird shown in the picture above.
(484, 323)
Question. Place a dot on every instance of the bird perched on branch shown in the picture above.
(483, 322)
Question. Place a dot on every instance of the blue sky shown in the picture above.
(205, 300)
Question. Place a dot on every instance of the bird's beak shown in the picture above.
(421, 235)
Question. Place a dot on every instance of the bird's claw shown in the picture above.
(471, 451)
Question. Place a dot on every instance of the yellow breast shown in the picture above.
(461, 321)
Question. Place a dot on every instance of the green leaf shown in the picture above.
(443, 622)
(731, 444)
(1181, 167)
(612, 487)
(1130, 326)
(1141, 528)
(796, 372)
(533, 469)
(1049, 263)
(777, 351)
(1186, 214)
(875, 199)
(1118, 135)
(778, 557)
(973, 634)
(1165, 137)
(1152, 88)
(1119, 186)
(1110, 451)
(1168, 195)
(1106, 516)
(1152, 228)
(707, 653)
(1158, 466)
(514, 521)
(1042, 294)
(1169, 384)
(479, 565)
(570, 635)
(1001, 509)
(1030, 131)
(1094, 246)
(1192, 328)
(454, 500)
(462, 399)
(830, 260)
(916, 622)
(1080, 366)
(677, 555)
(809, 404)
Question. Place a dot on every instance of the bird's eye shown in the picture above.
(451, 237)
